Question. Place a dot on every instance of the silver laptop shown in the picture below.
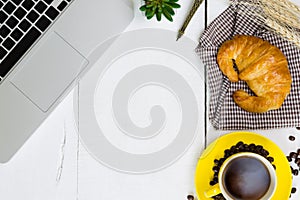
(44, 45)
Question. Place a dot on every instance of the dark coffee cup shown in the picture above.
(245, 176)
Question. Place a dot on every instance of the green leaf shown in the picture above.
(158, 16)
(149, 5)
(173, 5)
(173, 0)
(170, 10)
(154, 8)
(143, 8)
(150, 13)
(167, 15)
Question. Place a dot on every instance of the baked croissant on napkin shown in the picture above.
(262, 66)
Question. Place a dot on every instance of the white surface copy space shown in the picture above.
(55, 165)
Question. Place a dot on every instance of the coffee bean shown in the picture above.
(216, 161)
(212, 183)
(219, 197)
(297, 161)
(221, 161)
(289, 158)
(292, 138)
(266, 152)
(298, 164)
(295, 172)
(294, 190)
(232, 148)
(216, 169)
(215, 179)
(298, 152)
(259, 147)
(216, 174)
(190, 197)
(293, 155)
(298, 128)
(252, 147)
(270, 159)
(239, 144)
(226, 153)
(274, 166)
(236, 151)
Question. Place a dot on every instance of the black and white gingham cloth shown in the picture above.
(223, 112)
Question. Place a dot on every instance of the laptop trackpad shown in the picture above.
(48, 73)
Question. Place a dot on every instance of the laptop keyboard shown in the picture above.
(22, 22)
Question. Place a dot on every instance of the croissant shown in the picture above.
(262, 66)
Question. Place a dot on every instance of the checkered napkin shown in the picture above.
(223, 112)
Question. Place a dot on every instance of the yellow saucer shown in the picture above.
(215, 150)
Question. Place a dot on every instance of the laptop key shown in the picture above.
(32, 16)
(9, 8)
(12, 22)
(3, 52)
(3, 16)
(19, 50)
(16, 34)
(52, 13)
(4, 31)
(20, 13)
(40, 7)
(28, 4)
(62, 5)
(24, 25)
(8, 43)
(43, 23)
(1, 4)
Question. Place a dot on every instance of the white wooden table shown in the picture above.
(55, 165)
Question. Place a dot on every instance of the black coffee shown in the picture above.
(246, 178)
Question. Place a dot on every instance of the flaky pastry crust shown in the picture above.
(262, 66)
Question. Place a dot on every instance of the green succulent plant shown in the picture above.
(159, 8)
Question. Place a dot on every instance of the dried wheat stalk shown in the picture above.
(279, 16)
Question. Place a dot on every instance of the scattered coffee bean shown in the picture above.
(190, 197)
(289, 158)
(298, 152)
(298, 128)
(292, 138)
(294, 190)
(293, 155)
(295, 172)
(292, 169)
